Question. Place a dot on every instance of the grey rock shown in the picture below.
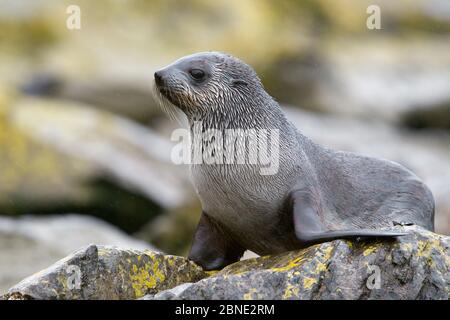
(29, 244)
(102, 93)
(381, 78)
(169, 294)
(414, 267)
(106, 143)
(431, 116)
(106, 272)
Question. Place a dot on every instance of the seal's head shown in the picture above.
(206, 81)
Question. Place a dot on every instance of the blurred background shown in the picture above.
(85, 150)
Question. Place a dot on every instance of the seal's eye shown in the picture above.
(197, 74)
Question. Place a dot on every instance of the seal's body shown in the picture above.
(316, 195)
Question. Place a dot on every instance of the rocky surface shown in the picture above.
(104, 272)
(68, 157)
(432, 116)
(105, 94)
(380, 78)
(30, 243)
(416, 266)
(107, 142)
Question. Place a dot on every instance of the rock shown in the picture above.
(434, 116)
(109, 143)
(111, 95)
(30, 243)
(381, 78)
(169, 294)
(416, 266)
(89, 161)
(105, 272)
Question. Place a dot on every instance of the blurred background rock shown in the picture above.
(85, 150)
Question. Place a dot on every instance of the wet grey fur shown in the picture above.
(352, 191)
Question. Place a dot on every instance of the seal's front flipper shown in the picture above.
(309, 229)
(213, 248)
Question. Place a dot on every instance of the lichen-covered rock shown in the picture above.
(107, 273)
(413, 267)
(31, 243)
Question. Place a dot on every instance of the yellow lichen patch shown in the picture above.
(322, 263)
(298, 259)
(421, 246)
(62, 279)
(290, 265)
(327, 253)
(309, 282)
(171, 261)
(147, 276)
(425, 247)
(349, 243)
(250, 295)
(320, 267)
(157, 272)
(290, 291)
(212, 273)
(101, 251)
(406, 246)
(141, 280)
(371, 249)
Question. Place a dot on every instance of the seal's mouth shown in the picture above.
(162, 92)
(167, 94)
(167, 101)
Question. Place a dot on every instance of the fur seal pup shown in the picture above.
(316, 195)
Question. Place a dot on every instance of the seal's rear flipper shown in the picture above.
(309, 229)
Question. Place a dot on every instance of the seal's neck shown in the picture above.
(257, 112)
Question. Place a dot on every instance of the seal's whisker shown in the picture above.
(167, 106)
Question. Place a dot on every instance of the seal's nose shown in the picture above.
(159, 78)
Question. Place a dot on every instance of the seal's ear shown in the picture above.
(237, 82)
